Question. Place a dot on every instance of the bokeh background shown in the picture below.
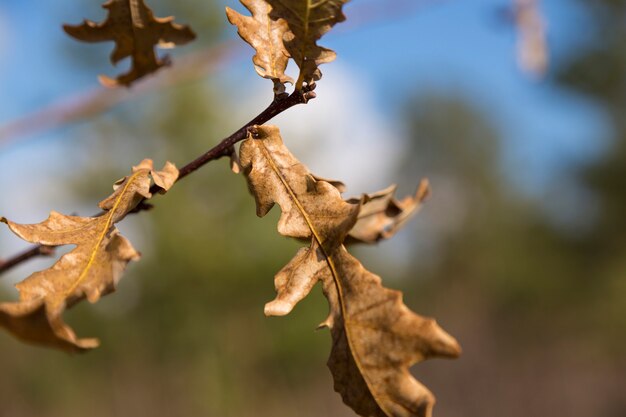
(520, 252)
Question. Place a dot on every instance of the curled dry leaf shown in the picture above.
(376, 338)
(308, 21)
(90, 271)
(340, 186)
(134, 29)
(382, 215)
(265, 35)
(164, 179)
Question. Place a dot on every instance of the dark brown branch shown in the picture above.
(279, 105)
(224, 148)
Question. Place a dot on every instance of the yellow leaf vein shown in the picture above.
(105, 229)
(329, 260)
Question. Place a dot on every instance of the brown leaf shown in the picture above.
(235, 165)
(268, 168)
(90, 271)
(340, 186)
(134, 29)
(308, 21)
(266, 37)
(382, 215)
(376, 338)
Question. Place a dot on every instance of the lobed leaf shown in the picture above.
(265, 35)
(90, 270)
(308, 21)
(134, 29)
(269, 167)
(382, 215)
(376, 338)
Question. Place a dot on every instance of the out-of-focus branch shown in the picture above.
(97, 100)
(38, 250)
(187, 68)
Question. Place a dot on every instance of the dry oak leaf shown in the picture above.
(308, 21)
(266, 37)
(382, 215)
(90, 271)
(376, 338)
(134, 29)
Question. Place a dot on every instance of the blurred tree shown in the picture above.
(599, 72)
(540, 311)
(539, 308)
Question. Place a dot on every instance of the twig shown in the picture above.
(224, 148)
(279, 105)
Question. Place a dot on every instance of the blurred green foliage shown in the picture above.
(539, 310)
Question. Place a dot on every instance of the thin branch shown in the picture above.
(224, 148)
(279, 105)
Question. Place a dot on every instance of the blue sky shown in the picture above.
(457, 46)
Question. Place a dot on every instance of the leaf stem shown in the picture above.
(279, 105)
(224, 148)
